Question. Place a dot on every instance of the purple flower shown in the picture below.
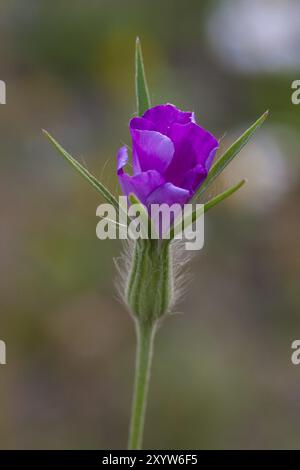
(171, 156)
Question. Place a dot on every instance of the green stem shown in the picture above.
(145, 336)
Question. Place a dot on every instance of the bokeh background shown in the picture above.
(222, 371)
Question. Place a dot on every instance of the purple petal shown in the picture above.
(194, 177)
(210, 159)
(193, 146)
(168, 194)
(142, 124)
(141, 184)
(151, 150)
(122, 159)
(163, 116)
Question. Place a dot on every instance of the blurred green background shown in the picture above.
(222, 373)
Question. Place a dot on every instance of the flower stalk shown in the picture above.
(145, 337)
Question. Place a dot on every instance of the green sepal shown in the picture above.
(92, 180)
(184, 221)
(147, 225)
(224, 195)
(141, 88)
(193, 216)
(228, 156)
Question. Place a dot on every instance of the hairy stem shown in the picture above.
(145, 336)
